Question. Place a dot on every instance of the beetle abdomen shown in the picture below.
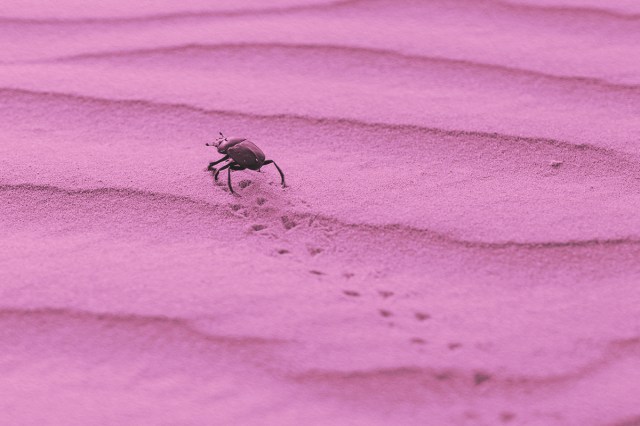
(247, 154)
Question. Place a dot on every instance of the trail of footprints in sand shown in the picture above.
(301, 256)
(262, 210)
(393, 319)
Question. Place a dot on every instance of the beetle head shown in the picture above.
(219, 140)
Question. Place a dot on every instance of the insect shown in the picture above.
(242, 153)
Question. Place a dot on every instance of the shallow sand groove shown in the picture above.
(459, 243)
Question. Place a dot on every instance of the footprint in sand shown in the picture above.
(385, 294)
(385, 313)
(314, 251)
(507, 416)
(480, 377)
(288, 223)
(421, 316)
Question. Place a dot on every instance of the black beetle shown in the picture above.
(243, 153)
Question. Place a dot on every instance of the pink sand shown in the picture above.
(459, 243)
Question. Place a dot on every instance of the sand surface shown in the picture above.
(459, 243)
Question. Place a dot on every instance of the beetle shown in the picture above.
(242, 153)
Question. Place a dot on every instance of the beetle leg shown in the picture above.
(232, 166)
(226, 166)
(211, 168)
(229, 180)
(279, 171)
